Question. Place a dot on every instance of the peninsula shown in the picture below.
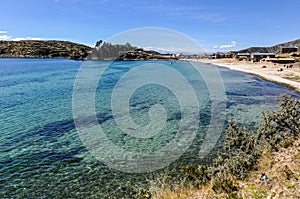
(43, 49)
(71, 50)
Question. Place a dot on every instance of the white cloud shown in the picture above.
(233, 44)
(5, 37)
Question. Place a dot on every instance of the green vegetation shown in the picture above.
(224, 185)
(240, 153)
(196, 175)
(281, 127)
(236, 171)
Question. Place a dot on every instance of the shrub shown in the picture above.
(240, 153)
(282, 126)
(289, 174)
(233, 195)
(242, 149)
(224, 185)
(196, 174)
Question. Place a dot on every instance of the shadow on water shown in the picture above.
(53, 130)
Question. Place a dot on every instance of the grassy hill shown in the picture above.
(43, 49)
(272, 49)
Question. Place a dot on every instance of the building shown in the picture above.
(243, 56)
(230, 54)
(289, 49)
(283, 60)
(218, 55)
(257, 56)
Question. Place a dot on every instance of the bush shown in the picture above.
(233, 195)
(224, 185)
(240, 153)
(196, 174)
(243, 148)
(281, 127)
(289, 174)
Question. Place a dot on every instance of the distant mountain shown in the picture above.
(43, 49)
(272, 49)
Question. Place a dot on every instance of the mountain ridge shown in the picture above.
(271, 49)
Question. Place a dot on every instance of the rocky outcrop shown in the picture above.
(108, 51)
(140, 54)
(43, 49)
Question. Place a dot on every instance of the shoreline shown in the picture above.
(289, 77)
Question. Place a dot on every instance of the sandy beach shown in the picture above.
(289, 77)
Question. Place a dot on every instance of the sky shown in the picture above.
(219, 25)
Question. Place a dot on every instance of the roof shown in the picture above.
(259, 53)
(243, 54)
(289, 47)
(282, 59)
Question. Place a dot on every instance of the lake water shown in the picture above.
(41, 153)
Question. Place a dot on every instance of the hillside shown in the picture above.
(108, 51)
(70, 50)
(272, 49)
(43, 49)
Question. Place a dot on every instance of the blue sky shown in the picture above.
(215, 25)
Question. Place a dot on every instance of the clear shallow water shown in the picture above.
(41, 154)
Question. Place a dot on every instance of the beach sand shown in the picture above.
(289, 77)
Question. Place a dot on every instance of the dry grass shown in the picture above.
(283, 170)
(186, 192)
(281, 167)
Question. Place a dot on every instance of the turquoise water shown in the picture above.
(41, 154)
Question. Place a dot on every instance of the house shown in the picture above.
(257, 56)
(242, 56)
(282, 60)
(230, 54)
(289, 49)
(218, 55)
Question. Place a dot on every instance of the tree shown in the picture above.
(98, 43)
